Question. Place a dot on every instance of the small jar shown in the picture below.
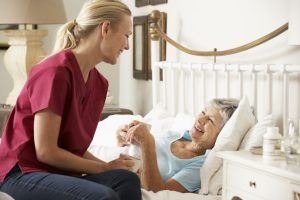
(271, 143)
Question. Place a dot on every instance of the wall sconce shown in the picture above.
(294, 22)
(26, 44)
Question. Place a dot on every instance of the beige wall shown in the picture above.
(197, 24)
(205, 25)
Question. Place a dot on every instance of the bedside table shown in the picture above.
(250, 177)
(107, 111)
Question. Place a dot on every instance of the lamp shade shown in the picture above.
(294, 22)
(32, 12)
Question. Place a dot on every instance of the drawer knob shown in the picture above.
(252, 184)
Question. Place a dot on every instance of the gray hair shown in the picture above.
(226, 107)
(91, 15)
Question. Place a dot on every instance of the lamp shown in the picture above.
(294, 22)
(26, 45)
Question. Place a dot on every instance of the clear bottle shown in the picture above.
(271, 143)
(291, 146)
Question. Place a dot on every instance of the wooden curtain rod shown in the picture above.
(156, 33)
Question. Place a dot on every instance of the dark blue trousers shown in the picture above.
(109, 185)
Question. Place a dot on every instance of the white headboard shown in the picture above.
(187, 87)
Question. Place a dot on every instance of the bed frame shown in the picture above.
(187, 87)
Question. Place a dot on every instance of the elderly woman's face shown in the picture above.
(207, 127)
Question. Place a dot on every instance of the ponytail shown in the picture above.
(65, 38)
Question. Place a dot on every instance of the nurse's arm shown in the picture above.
(46, 131)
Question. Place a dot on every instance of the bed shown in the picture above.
(268, 98)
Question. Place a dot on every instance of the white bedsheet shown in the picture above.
(172, 195)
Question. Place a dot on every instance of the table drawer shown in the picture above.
(257, 183)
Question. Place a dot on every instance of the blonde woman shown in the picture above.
(43, 153)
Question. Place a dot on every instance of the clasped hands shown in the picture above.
(135, 132)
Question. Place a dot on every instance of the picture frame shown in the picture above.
(3, 40)
(155, 2)
(140, 47)
(140, 3)
(162, 46)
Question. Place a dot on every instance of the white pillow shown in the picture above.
(157, 113)
(229, 138)
(161, 126)
(106, 153)
(183, 122)
(254, 137)
(105, 134)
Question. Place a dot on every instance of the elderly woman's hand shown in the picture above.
(138, 133)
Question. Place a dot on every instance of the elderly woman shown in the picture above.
(173, 161)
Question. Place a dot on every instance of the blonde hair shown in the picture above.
(91, 15)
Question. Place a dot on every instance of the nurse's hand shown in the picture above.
(123, 162)
(121, 133)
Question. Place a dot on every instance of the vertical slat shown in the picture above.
(215, 80)
(165, 81)
(155, 72)
(241, 81)
(203, 73)
(285, 101)
(174, 92)
(182, 89)
(270, 90)
(254, 88)
(192, 86)
(227, 82)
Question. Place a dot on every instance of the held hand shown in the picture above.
(123, 162)
(121, 134)
(134, 123)
(138, 134)
(122, 131)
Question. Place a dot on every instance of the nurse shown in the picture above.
(43, 153)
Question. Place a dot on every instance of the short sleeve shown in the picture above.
(49, 89)
(189, 177)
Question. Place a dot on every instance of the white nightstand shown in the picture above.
(250, 177)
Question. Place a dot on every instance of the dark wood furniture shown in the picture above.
(113, 111)
(4, 114)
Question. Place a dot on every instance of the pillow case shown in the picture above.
(183, 121)
(105, 134)
(254, 137)
(157, 113)
(229, 138)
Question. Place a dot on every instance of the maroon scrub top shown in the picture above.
(55, 83)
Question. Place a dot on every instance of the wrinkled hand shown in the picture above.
(138, 133)
(123, 162)
(122, 133)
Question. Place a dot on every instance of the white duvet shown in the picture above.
(104, 145)
(239, 125)
(172, 195)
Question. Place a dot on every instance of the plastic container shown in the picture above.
(271, 143)
(134, 152)
(290, 146)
